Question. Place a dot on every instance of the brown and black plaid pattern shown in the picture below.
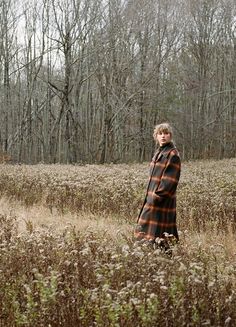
(158, 213)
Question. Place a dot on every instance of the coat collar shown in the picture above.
(164, 150)
(167, 147)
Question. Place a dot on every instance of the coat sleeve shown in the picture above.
(169, 179)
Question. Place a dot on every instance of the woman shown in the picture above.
(158, 213)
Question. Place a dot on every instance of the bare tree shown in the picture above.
(8, 48)
(86, 81)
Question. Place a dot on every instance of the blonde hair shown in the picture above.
(162, 128)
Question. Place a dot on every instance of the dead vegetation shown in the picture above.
(76, 276)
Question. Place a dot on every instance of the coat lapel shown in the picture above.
(159, 156)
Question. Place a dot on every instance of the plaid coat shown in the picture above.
(158, 213)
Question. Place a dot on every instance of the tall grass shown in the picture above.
(100, 277)
(86, 279)
(206, 192)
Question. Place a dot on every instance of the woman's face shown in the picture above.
(163, 138)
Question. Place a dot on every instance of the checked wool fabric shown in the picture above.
(158, 213)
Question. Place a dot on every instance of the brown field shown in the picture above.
(68, 257)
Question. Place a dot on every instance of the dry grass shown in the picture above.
(40, 217)
(115, 228)
(206, 190)
(76, 264)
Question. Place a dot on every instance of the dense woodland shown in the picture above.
(87, 80)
